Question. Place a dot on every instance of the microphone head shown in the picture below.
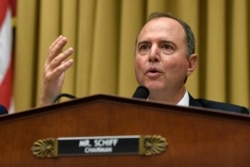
(141, 92)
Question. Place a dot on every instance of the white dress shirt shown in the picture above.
(184, 101)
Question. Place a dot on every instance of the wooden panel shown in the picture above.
(196, 137)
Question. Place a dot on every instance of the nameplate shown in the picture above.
(99, 145)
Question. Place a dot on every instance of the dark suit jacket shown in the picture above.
(217, 105)
(3, 110)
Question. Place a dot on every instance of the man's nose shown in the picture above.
(154, 54)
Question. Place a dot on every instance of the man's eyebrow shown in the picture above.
(168, 42)
(143, 42)
(161, 41)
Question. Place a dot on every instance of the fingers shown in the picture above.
(56, 47)
(61, 59)
(57, 60)
(56, 72)
(55, 42)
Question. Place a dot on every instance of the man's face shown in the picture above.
(161, 62)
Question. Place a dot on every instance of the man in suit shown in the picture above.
(164, 58)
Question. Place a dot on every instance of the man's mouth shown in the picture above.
(153, 73)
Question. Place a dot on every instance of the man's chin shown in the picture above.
(153, 87)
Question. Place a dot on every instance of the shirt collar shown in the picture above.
(184, 101)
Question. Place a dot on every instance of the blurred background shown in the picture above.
(103, 32)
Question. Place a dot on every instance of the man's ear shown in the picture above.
(192, 62)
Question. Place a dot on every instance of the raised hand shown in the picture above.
(55, 66)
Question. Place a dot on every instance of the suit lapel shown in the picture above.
(193, 102)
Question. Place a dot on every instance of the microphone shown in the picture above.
(141, 92)
(62, 95)
(3, 110)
